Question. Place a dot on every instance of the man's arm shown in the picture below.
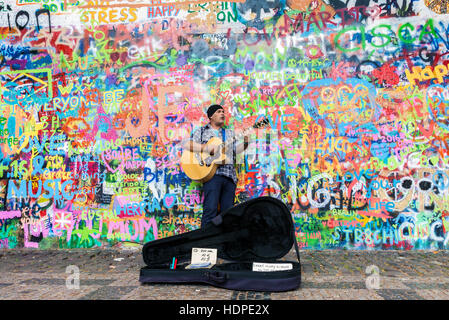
(194, 143)
(193, 146)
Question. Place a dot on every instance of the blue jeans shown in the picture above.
(218, 190)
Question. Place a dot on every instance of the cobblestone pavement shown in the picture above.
(326, 275)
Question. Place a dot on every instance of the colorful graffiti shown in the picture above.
(97, 98)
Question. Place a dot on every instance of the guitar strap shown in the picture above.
(201, 133)
(223, 137)
(223, 134)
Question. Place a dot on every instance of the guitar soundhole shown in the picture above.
(210, 159)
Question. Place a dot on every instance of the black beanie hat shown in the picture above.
(212, 109)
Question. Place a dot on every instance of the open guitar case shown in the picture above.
(257, 231)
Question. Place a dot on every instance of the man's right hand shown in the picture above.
(211, 149)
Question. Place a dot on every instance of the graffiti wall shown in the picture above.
(98, 97)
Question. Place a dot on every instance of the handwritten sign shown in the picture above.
(203, 256)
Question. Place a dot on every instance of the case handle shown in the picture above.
(217, 220)
(216, 276)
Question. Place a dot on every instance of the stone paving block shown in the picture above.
(306, 294)
(130, 279)
(392, 283)
(108, 293)
(361, 294)
(333, 285)
(427, 285)
(331, 278)
(178, 292)
(38, 292)
(327, 274)
(327, 294)
(433, 294)
(250, 295)
(62, 282)
(398, 294)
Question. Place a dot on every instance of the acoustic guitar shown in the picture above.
(201, 166)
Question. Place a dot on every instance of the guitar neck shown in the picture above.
(240, 135)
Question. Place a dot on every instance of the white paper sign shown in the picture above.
(203, 256)
(270, 267)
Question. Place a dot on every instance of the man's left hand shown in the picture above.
(245, 142)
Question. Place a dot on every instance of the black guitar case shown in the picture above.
(256, 231)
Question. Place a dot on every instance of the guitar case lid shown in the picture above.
(260, 229)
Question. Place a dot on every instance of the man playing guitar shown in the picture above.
(220, 190)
